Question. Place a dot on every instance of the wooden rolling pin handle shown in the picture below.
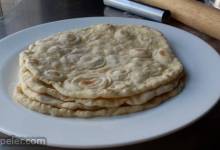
(192, 13)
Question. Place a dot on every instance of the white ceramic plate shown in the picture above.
(201, 92)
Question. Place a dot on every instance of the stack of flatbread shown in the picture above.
(102, 70)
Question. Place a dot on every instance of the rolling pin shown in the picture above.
(192, 13)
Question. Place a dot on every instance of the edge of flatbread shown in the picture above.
(19, 97)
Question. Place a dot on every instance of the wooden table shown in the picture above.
(204, 134)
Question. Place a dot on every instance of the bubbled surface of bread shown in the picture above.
(103, 61)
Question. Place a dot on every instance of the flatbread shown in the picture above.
(64, 112)
(103, 61)
(35, 89)
(89, 103)
(38, 86)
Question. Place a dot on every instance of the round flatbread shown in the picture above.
(21, 98)
(103, 61)
(36, 90)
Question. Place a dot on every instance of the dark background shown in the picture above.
(202, 135)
